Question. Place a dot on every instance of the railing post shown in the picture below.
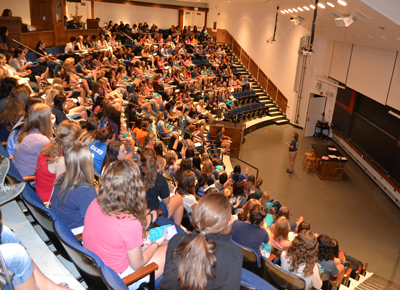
(258, 71)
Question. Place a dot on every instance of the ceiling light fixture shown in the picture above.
(283, 12)
(384, 37)
(295, 10)
(286, 11)
(300, 9)
(306, 8)
(290, 10)
(330, 4)
(321, 5)
(312, 6)
(341, 2)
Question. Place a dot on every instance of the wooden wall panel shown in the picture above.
(59, 33)
(282, 102)
(262, 79)
(32, 38)
(253, 69)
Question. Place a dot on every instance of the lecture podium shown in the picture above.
(330, 163)
(233, 130)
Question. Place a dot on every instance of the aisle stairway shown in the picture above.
(273, 109)
(370, 281)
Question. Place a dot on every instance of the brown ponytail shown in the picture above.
(211, 217)
(148, 160)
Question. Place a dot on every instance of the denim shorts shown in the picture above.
(165, 209)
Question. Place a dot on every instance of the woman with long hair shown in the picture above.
(13, 111)
(187, 188)
(35, 134)
(207, 169)
(186, 164)
(51, 161)
(157, 186)
(92, 124)
(120, 208)
(115, 151)
(326, 258)
(171, 158)
(301, 259)
(206, 258)
(255, 190)
(284, 211)
(280, 234)
(74, 191)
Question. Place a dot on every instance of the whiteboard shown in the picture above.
(370, 72)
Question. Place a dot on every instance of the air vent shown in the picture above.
(301, 18)
(337, 16)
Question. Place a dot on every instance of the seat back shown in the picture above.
(87, 263)
(170, 178)
(111, 279)
(280, 278)
(276, 251)
(250, 281)
(250, 260)
(43, 216)
(49, 50)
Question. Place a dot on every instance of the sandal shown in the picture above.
(151, 218)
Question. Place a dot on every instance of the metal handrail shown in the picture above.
(248, 164)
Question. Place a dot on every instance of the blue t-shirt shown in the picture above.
(73, 212)
(294, 144)
(98, 150)
(249, 236)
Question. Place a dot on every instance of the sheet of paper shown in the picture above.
(332, 149)
(332, 156)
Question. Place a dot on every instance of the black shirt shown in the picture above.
(227, 271)
(160, 189)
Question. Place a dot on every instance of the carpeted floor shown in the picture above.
(354, 211)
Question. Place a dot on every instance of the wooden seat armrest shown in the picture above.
(359, 270)
(335, 281)
(160, 212)
(365, 267)
(348, 272)
(79, 237)
(272, 257)
(139, 274)
(165, 138)
(4, 143)
(29, 178)
(11, 157)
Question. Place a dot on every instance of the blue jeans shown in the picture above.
(16, 257)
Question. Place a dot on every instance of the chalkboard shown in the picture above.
(377, 144)
(377, 114)
(395, 170)
(341, 120)
(344, 96)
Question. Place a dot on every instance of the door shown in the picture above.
(315, 111)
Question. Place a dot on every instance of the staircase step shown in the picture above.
(273, 109)
(269, 105)
(265, 99)
(282, 122)
(275, 113)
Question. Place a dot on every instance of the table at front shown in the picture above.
(331, 169)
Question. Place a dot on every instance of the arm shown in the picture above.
(315, 279)
(138, 258)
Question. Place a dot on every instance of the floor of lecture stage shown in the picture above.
(355, 211)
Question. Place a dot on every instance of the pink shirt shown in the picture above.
(110, 238)
(282, 244)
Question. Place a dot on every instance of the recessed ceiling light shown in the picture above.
(370, 36)
(398, 38)
(358, 35)
(348, 34)
(330, 4)
(300, 9)
(341, 2)
(290, 10)
(321, 5)
(312, 6)
(305, 7)
(286, 11)
(295, 10)
(384, 37)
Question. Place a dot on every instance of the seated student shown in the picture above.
(156, 187)
(237, 175)
(187, 188)
(34, 135)
(270, 203)
(115, 151)
(252, 233)
(172, 166)
(120, 209)
(326, 258)
(215, 163)
(140, 134)
(255, 190)
(207, 170)
(51, 163)
(300, 259)
(284, 211)
(238, 191)
(222, 180)
(280, 234)
(70, 47)
(74, 191)
(99, 146)
(206, 258)
(223, 140)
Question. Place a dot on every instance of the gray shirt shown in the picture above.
(27, 152)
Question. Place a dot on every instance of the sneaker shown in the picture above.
(9, 192)
(4, 167)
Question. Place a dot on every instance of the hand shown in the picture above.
(237, 202)
(161, 241)
(247, 170)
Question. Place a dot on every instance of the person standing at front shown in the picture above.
(292, 152)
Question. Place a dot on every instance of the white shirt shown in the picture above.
(69, 47)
